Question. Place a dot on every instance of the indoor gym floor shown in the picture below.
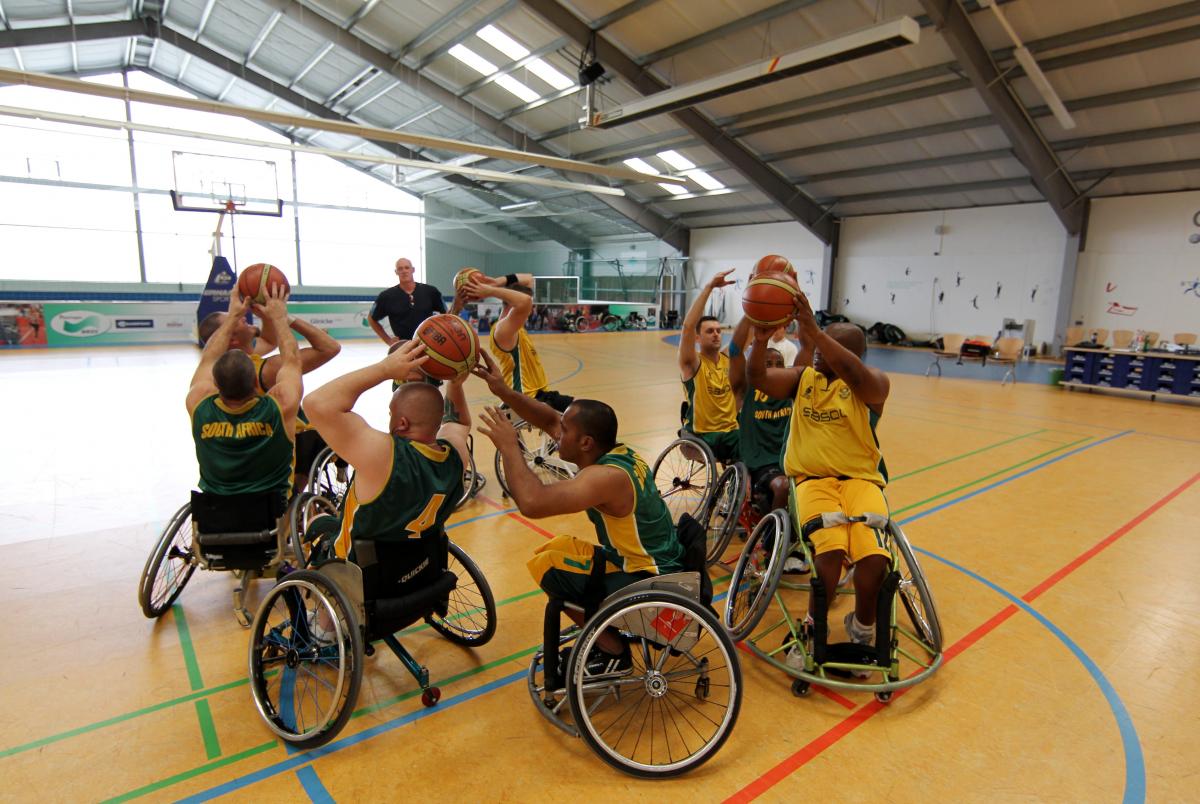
(1058, 532)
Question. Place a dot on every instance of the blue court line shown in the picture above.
(1135, 767)
(488, 515)
(1135, 764)
(330, 748)
(312, 785)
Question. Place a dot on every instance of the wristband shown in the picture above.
(734, 349)
(510, 280)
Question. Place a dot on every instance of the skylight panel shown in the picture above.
(704, 180)
(676, 160)
(517, 88)
(551, 76)
(503, 42)
(642, 166)
(472, 59)
(673, 189)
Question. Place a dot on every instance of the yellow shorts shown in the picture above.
(823, 495)
(562, 566)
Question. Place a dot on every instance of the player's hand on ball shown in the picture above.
(721, 279)
(804, 314)
(399, 364)
(276, 306)
(238, 304)
(496, 426)
(476, 290)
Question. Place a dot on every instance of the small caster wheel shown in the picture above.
(368, 649)
(883, 697)
(801, 688)
(431, 696)
(702, 688)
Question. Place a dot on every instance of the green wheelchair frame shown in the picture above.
(757, 580)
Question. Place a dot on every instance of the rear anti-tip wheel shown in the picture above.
(801, 688)
(431, 696)
(883, 697)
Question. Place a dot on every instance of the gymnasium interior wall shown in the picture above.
(1141, 265)
(962, 270)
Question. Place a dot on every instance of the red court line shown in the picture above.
(828, 693)
(797, 760)
(516, 516)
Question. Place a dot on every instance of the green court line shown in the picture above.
(425, 626)
(208, 729)
(988, 477)
(964, 455)
(193, 773)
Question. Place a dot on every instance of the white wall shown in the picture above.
(1139, 270)
(739, 247)
(990, 264)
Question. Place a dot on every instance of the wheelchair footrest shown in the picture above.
(848, 653)
(211, 540)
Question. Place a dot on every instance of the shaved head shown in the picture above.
(416, 411)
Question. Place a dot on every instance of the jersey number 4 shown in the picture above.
(427, 518)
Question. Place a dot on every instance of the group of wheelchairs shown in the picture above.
(669, 712)
(907, 646)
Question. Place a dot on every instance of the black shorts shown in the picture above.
(308, 446)
(761, 496)
(554, 399)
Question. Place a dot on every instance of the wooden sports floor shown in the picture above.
(1058, 532)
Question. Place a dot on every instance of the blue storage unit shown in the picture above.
(1144, 373)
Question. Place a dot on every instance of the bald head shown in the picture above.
(416, 411)
(849, 336)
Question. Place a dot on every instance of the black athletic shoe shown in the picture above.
(601, 663)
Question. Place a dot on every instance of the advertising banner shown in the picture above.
(110, 323)
(22, 324)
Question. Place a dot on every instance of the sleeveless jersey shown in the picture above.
(644, 540)
(423, 485)
(762, 429)
(522, 368)
(711, 404)
(243, 450)
(302, 423)
(832, 433)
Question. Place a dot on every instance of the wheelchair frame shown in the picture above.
(920, 642)
(542, 460)
(638, 613)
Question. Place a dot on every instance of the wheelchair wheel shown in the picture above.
(169, 567)
(915, 595)
(304, 510)
(610, 323)
(470, 484)
(724, 510)
(756, 575)
(541, 455)
(471, 617)
(684, 473)
(328, 479)
(306, 654)
(677, 704)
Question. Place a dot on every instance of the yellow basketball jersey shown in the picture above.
(522, 368)
(832, 433)
(712, 407)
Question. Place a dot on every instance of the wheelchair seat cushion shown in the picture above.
(404, 573)
(236, 514)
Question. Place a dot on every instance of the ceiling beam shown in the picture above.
(424, 85)
(1029, 145)
(62, 34)
(769, 182)
(465, 34)
(619, 14)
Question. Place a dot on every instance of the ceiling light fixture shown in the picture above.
(518, 205)
(1032, 71)
(877, 38)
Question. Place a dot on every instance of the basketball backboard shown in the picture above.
(211, 183)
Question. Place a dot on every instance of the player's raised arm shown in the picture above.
(539, 414)
(688, 362)
(202, 384)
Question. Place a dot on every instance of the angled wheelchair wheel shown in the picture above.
(541, 455)
(471, 617)
(470, 482)
(306, 507)
(676, 705)
(306, 653)
(756, 576)
(723, 510)
(915, 595)
(169, 566)
(328, 479)
(684, 472)
(610, 323)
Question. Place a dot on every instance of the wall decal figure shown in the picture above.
(999, 287)
(1109, 287)
(1115, 308)
(957, 279)
(864, 288)
(907, 270)
(941, 296)
(975, 302)
(1033, 293)
(811, 277)
(893, 298)
(846, 302)
(1192, 287)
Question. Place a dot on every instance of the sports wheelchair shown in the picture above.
(675, 705)
(313, 629)
(540, 452)
(246, 534)
(330, 477)
(805, 651)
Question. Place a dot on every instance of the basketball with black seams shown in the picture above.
(466, 275)
(451, 345)
(770, 299)
(257, 280)
(773, 263)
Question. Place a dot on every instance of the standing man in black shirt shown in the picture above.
(405, 306)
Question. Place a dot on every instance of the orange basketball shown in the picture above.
(464, 276)
(258, 278)
(773, 263)
(452, 346)
(769, 299)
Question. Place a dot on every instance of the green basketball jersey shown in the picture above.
(243, 450)
(423, 487)
(762, 429)
(645, 540)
